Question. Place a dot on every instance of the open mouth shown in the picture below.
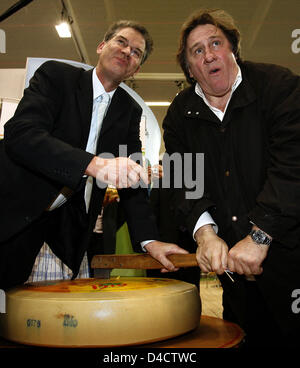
(214, 71)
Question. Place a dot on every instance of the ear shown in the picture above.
(136, 71)
(190, 73)
(100, 47)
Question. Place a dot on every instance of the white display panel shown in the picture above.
(7, 111)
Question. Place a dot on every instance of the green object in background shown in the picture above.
(124, 246)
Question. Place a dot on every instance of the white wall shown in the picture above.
(11, 91)
(12, 83)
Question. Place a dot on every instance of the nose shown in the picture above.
(126, 50)
(209, 56)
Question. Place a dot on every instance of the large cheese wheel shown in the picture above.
(100, 313)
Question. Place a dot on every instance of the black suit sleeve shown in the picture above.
(31, 138)
(277, 209)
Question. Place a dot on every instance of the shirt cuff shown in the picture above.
(205, 219)
(145, 242)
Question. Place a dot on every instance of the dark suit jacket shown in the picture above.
(251, 172)
(44, 150)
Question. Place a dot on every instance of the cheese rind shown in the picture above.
(100, 313)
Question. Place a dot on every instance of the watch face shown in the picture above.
(260, 237)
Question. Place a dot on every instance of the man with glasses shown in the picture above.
(49, 159)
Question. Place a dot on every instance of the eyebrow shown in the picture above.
(196, 44)
(124, 38)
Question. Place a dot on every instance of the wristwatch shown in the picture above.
(260, 238)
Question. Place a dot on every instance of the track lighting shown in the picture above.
(63, 28)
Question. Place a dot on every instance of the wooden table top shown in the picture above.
(212, 332)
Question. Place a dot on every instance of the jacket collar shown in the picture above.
(98, 88)
(243, 96)
(84, 95)
(117, 109)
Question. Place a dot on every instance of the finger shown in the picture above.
(246, 269)
(202, 262)
(260, 270)
(167, 263)
(230, 264)
(241, 267)
(216, 264)
(144, 177)
(234, 264)
(224, 258)
(257, 271)
(238, 268)
(141, 172)
(120, 183)
(164, 270)
(251, 266)
(133, 177)
(205, 267)
(219, 259)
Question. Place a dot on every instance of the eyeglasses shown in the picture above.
(124, 43)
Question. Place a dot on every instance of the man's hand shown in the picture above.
(160, 251)
(212, 251)
(246, 257)
(121, 172)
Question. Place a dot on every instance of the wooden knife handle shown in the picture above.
(141, 261)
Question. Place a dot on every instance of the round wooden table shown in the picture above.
(211, 333)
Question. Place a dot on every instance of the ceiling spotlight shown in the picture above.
(63, 30)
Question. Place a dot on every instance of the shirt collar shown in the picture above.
(98, 88)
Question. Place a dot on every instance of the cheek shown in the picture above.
(193, 70)
(230, 61)
(197, 73)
